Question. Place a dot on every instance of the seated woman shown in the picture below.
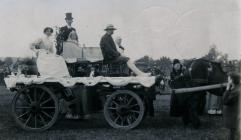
(48, 64)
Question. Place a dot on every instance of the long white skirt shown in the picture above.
(51, 65)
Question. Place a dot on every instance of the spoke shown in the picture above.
(134, 111)
(112, 108)
(46, 114)
(41, 96)
(23, 107)
(30, 99)
(122, 121)
(128, 121)
(44, 102)
(35, 94)
(133, 105)
(23, 114)
(125, 99)
(47, 107)
(115, 103)
(130, 100)
(133, 117)
(30, 116)
(117, 118)
(23, 99)
(42, 119)
(35, 121)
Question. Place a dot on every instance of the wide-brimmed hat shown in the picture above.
(48, 28)
(110, 27)
(68, 16)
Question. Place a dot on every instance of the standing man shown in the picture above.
(64, 33)
(111, 55)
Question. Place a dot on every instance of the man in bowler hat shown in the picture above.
(64, 33)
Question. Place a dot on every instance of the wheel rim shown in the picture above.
(35, 108)
(124, 110)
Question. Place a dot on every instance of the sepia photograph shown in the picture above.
(120, 69)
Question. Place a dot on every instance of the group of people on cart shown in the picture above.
(111, 53)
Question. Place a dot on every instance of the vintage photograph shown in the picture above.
(120, 69)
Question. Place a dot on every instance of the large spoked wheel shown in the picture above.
(124, 110)
(35, 108)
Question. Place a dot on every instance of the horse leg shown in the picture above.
(186, 117)
(194, 112)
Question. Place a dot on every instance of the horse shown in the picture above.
(199, 72)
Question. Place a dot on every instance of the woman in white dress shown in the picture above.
(45, 42)
(48, 63)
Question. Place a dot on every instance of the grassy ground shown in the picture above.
(162, 126)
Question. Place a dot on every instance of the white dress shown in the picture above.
(45, 43)
(48, 63)
(51, 65)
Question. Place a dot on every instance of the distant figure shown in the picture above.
(111, 55)
(120, 48)
(64, 33)
(231, 100)
(45, 42)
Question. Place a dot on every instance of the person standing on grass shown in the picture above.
(231, 106)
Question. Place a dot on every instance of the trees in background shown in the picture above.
(164, 64)
(8, 61)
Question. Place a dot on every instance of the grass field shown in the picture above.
(162, 126)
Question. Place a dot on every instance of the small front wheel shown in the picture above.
(124, 109)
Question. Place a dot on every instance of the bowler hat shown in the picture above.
(110, 27)
(48, 28)
(68, 16)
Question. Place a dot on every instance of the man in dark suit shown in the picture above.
(111, 54)
(64, 33)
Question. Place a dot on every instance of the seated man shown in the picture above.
(111, 55)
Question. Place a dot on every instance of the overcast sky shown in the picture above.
(174, 28)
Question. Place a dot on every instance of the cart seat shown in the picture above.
(73, 53)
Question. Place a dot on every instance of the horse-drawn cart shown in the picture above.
(40, 100)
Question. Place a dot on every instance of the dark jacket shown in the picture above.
(63, 36)
(178, 101)
(231, 107)
(108, 48)
(177, 79)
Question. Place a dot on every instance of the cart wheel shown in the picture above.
(35, 108)
(124, 109)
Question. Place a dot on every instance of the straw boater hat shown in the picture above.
(68, 16)
(110, 27)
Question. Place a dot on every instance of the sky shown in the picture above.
(173, 28)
